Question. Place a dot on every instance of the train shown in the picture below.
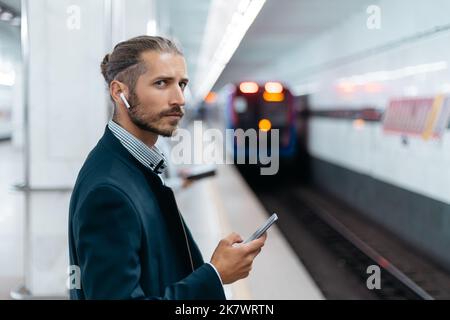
(262, 107)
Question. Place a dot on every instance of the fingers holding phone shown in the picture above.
(233, 258)
(256, 245)
(235, 262)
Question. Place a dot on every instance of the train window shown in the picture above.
(240, 104)
(275, 111)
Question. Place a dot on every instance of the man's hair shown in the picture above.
(125, 63)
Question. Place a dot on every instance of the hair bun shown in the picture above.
(104, 66)
(106, 59)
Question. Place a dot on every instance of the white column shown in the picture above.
(130, 18)
(67, 112)
(67, 107)
(67, 104)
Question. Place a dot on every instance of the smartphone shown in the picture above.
(258, 233)
(200, 172)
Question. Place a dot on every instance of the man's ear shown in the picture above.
(115, 89)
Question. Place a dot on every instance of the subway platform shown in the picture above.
(212, 207)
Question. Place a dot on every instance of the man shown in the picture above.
(125, 231)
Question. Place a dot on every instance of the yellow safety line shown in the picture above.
(240, 289)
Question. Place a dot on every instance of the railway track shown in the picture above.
(337, 246)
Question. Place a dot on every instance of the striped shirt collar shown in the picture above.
(150, 157)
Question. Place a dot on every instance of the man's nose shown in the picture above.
(177, 97)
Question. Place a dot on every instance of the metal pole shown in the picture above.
(108, 24)
(23, 292)
(108, 29)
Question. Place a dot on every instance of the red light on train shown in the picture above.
(273, 87)
(359, 124)
(211, 97)
(248, 87)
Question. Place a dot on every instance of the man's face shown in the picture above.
(158, 98)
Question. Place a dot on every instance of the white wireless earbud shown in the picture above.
(122, 96)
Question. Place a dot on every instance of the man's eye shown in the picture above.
(160, 83)
(183, 85)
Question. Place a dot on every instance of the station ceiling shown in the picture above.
(281, 26)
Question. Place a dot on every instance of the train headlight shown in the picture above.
(264, 125)
(248, 87)
(273, 87)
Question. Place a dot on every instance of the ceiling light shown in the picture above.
(6, 16)
(241, 20)
(7, 78)
(387, 75)
(151, 28)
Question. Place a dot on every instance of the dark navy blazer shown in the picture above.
(126, 234)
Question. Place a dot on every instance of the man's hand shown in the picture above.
(186, 183)
(235, 262)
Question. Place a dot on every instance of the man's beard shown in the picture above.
(142, 124)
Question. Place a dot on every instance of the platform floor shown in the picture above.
(228, 205)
